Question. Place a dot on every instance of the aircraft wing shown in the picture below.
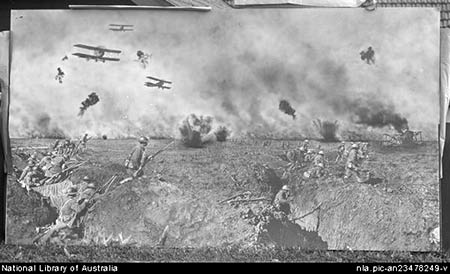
(118, 25)
(108, 59)
(111, 50)
(156, 79)
(82, 55)
(86, 47)
(96, 48)
(148, 84)
(120, 29)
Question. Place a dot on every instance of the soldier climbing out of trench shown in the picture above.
(281, 201)
(67, 214)
(135, 160)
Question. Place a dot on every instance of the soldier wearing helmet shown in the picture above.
(87, 189)
(319, 158)
(352, 165)
(27, 169)
(340, 152)
(305, 145)
(136, 158)
(281, 201)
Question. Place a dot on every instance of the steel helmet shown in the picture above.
(286, 187)
(143, 140)
(321, 152)
(72, 191)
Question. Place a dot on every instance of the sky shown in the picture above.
(232, 65)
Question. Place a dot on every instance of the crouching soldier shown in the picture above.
(135, 161)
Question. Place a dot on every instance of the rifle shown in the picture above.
(150, 157)
(65, 170)
(90, 202)
(307, 214)
(246, 193)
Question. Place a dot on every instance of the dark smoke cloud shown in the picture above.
(377, 114)
(233, 67)
(285, 107)
(88, 102)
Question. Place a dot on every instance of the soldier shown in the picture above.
(60, 75)
(27, 169)
(45, 161)
(364, 150)
(33, 158)
(70, 208)
(84, 182)
(67, 214)
(309, 155)
(281, 201)
(319, 158)
(88, 193)
(352, 164)
(57, 165)
(34, 177)
(305, 145)
(84, 141)
(55, 145)
(301, 155)
(135, 160)
(340, 152)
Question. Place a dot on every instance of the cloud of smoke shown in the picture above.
(233, 67)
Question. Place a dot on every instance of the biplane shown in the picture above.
(159, 83)
(98, 53)
(119, 27)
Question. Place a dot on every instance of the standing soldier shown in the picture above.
(317, 170)
(305, 145)
(84, 141)
(281, 201)
(351, 166)
(135, 160)
(340, 152)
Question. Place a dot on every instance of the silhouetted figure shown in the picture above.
(368, 56)
(60, 75)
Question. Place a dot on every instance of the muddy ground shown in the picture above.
(395, 210)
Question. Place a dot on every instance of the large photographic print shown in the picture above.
(310, 128)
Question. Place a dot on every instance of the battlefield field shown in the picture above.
(184, 189)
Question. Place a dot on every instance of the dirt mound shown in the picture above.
(26, 212)
(143, 208)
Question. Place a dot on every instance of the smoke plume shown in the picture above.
(327, 129)
(231, 67)
(285, 107)
(90, 101)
